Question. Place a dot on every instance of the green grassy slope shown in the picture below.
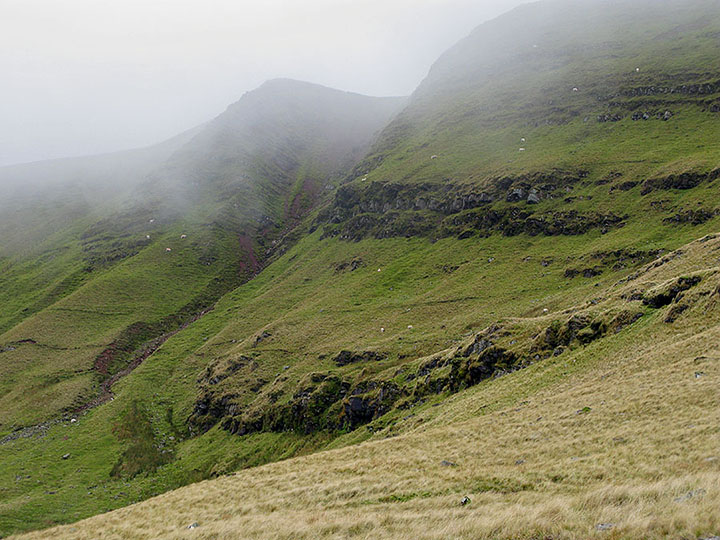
(547, 98)
(613, 437)
(86, 285)
(443, 233)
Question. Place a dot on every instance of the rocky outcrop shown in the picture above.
(368, 401)
(692, 89)
(692, 217)
(345, 358)
(307, 411)
(331, 401)
(687, 180)
(571, 273)
(675, 312)
(609, 117)
(624, 186)
(561, 334)
(386, 210)
(665, 295)
(351, 265)
(381, 198)
(211, 377)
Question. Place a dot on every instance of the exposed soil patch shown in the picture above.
(106, 358)
(251, 264)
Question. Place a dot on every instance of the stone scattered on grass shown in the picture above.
(695, 493)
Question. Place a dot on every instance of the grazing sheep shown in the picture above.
(168, 249)
(183, 236)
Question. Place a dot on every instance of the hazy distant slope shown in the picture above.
(269, 156)
(90, 279)
(41, 198)
(563, 76)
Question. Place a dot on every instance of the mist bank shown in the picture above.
(282, 136)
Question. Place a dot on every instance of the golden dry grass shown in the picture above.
(642, 462)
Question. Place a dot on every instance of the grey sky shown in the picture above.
(87, 76)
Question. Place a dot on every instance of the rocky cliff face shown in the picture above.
(384, 210)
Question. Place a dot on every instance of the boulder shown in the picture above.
(344, 358)
(515, 195)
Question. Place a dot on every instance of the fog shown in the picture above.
(89, 76)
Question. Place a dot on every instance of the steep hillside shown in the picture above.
(614, 438)
(559, 117)
(40, 199)
(514, 262)
(96, 277)
(263, 163)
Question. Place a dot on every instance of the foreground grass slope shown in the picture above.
(616, 439)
